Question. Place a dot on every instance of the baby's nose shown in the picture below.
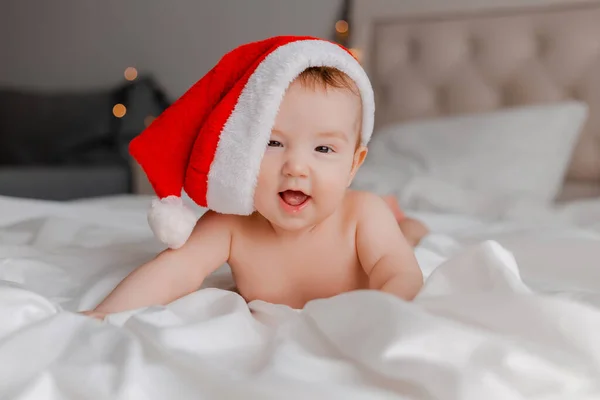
(295, 166)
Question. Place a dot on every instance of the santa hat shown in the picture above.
(211, 141)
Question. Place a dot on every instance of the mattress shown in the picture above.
(510, 310)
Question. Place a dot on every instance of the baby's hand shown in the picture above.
(95, 314)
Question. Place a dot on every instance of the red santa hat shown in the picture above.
(210, 142)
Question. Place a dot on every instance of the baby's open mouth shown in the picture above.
(294, 198)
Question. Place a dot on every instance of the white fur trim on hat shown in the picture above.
(171, 221)
(234, 172)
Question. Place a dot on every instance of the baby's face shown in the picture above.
(311, 158)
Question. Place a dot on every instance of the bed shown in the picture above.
(510, 308)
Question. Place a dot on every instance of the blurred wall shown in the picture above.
(80, 44)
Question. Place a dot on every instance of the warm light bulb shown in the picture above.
(148, 120)
(341, 26)
(356, 53)
(130, 73)
(119, 110)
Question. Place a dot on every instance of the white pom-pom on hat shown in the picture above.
(171, 221)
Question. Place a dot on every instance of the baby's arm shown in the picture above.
(383, 251)
(173, 273)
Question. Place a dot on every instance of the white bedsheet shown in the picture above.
(510, 310)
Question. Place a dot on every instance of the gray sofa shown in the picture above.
(64, 183)
(65, 146)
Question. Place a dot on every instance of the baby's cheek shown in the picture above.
(260, 191)
(334, 183)
(267, 173)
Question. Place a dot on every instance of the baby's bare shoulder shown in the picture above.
(361, 204)
(216, 222)
(235, 224)
(216, 218)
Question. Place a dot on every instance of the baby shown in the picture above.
(307, 236)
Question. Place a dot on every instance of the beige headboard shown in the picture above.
(429, 58)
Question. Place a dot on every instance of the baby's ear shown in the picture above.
(359, 158)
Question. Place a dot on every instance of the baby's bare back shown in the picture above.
(293, 270)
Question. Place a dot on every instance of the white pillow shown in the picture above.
(520, 152)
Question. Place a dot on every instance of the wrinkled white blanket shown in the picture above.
(509, 311)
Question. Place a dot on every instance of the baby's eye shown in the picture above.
(324, 149)
(274, 143)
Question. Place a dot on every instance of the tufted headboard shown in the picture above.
(428, 58)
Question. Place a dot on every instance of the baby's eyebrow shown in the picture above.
(337, 134)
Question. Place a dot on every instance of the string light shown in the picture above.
(356, 53)
(341, 27)
(148, 120)
(119, 110)
(130, 73)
